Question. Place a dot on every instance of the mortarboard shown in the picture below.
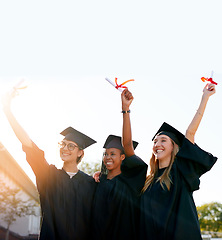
(115, 142)
(171, 132)
(79, 138)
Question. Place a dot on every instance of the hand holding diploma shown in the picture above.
(18, 86)
(118, 86)
(209, 79)
(7, 98)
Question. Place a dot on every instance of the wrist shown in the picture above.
(6, 109)
(125, 107)
(205, 97)
(125, 111)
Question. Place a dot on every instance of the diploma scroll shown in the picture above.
(18, 86)
(118, 86)
(113, 84)
(204, 79)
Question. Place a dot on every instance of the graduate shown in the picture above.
(66, 194)
(168, 211)
(116, 202)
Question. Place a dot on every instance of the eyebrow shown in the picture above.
(164, 137)
(160, 138)
(68, 141)
(110, 152)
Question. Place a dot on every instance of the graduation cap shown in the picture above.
(79, 138)
(115, 142)
(171, 132)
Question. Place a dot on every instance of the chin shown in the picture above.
(109, 167)
(67, 160)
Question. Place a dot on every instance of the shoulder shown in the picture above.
(53, 172)
(133, 162)
(85, 176)
(196, 156)
(103, 177)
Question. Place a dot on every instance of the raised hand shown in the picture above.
(209, 89)
(127, 99)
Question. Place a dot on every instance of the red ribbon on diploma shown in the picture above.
(208, 80)
(121, 85)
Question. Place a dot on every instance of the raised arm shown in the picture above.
(18, 130)
(127, 99)
(208, 90)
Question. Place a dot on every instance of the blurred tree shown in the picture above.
(210, 217)
(90, 167)
(12, 205)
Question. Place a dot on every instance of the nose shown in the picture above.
(106, 156)
(156, 144)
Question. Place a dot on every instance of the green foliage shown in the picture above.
(90, 167)
(210, 217)
(12, 205)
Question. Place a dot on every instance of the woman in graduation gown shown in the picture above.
(115, 211)
(168, 211)
(66, 194)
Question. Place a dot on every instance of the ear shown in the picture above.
(81, 153)
(80, 156)
(123, 156)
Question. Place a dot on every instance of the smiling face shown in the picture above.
(70, 151)
(113, 158)
(162, 149)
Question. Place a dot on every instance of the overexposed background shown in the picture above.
(65, 49)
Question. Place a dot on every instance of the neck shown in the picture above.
(70, 166)
(113, 173)
(164, 163)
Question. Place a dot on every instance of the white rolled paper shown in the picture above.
(19, 84)
(114, 85)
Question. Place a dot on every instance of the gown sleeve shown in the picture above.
(193, 162)
(134, 171)
(36, 159)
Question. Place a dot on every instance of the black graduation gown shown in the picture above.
(115, 210)
(66, 203)
(172, 215)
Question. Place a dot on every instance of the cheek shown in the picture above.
(170, 148)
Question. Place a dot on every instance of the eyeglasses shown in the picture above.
(70, 146)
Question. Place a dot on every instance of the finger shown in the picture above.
(211, 87)
(128, 95)
(123, 92)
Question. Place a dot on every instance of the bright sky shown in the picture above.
(65, 49)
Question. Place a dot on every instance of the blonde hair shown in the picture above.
(165, 177)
